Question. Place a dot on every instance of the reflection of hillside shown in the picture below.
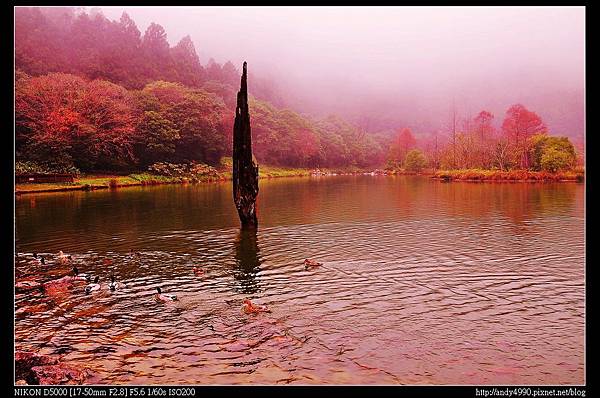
(522, 202)
(142, 218)
(411, 194)
(86, 218)
(338, 199)
(518, 202)
(247, 261)
(282, 200)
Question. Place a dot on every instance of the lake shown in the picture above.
(423, 282)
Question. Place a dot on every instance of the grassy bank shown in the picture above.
(512, 175)
(95, 182)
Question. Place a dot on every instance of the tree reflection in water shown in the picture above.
(247, 261)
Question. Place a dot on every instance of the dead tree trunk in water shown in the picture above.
(245, 169)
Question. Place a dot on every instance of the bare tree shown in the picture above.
(453, 133)
(502, 153)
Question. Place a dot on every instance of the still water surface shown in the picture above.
(423, 282)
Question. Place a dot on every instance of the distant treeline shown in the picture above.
(69, 40)
(521, 143)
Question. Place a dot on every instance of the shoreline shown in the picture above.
(478, 175)
(95, 187)
(101, 182)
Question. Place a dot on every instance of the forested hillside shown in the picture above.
(95, 94)
(99, 94)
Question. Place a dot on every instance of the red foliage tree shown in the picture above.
(62, 115)
(404, 142)
(44, 108)
(107, 111)
(483, 125)
(519, 125)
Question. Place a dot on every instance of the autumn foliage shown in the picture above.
(97, 125)
(520, 124)
(404, 142)
(99, 95)
(66, 117)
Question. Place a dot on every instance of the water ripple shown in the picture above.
(422, 283)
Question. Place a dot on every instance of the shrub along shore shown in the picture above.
(94, 182)
(167, 173)
(576, 175)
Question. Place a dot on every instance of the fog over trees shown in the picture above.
(398, 65)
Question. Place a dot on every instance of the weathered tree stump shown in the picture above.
(245, 169)
(247, 258)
